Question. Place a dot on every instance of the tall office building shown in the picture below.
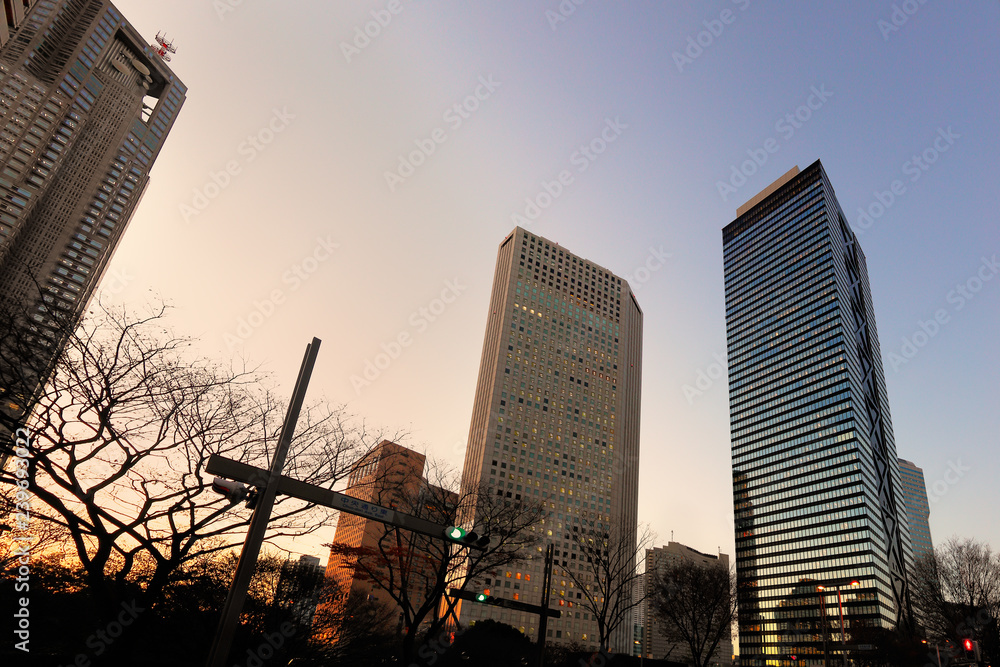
(85, 106)
(917, 508)
(556, 419)
(656, 644)
(816, 486)
(14, 12)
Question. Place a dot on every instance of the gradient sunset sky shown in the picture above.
(270, 204)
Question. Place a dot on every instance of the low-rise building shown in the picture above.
(655, 642)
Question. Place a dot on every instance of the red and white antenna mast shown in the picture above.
(163, 46)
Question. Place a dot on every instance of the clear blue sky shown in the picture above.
(307, 218)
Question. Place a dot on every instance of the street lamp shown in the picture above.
(823, 625)
(936, 648)
(840, 605)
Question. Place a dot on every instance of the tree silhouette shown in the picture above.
(695, 605)
(119, 439)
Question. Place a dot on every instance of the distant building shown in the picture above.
(656, 645)
(917, 508)
(85, 107)
(556, 420)
(391, 475)
(299, 587)
(639, 615)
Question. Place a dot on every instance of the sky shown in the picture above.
(338, 167)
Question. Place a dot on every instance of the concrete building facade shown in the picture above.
(14, 13)
(390, 476)
(85, 107)
(556, 420)
(655, 643)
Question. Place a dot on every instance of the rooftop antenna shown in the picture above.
(163, 46)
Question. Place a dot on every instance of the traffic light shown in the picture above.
(466, 538)
(971, 649)
(484, 597)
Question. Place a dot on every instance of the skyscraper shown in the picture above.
(556, 419)
(85, 106)
(917, 508)
(816, 486)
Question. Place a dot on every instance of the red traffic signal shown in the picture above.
(971, 647)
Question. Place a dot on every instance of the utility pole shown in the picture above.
(542, 610)
(218, 657)
(840, 604)
(271, 482)
(822, 615)
(544, 620)
(843, 637)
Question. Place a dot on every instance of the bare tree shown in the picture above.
(19, 534)
(360, 624)
(415, 571)
(695, 605)
(956, 593)
(119, 439)
(604, 565)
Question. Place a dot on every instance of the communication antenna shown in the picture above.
(163, 46)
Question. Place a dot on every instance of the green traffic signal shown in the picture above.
(469, 538)
(481, 597)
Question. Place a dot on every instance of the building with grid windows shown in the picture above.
(918, 510)
(14, 12)
(656, 644)
(816, 485)
(556, 419)
(85, 106)
(391, 476)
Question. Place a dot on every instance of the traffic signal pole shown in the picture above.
(241, 472)
(503, 602)
(271, 482)
(218, 657)
(544, 618)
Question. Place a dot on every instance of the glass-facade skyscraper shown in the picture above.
(556, 420)
(816, 486)
(917, 508)
(85, 107)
